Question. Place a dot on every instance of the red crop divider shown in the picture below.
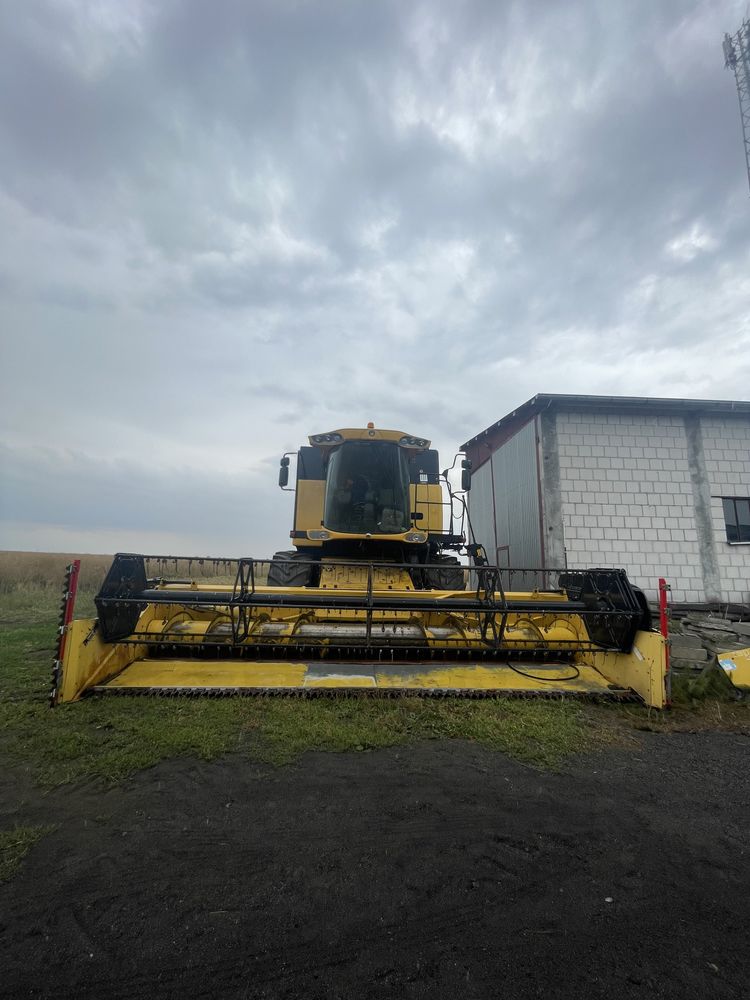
(66, 617)
(664, 589)
(70, 596)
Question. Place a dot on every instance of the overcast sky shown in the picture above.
(225, 226)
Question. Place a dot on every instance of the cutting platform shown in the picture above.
(191, 675)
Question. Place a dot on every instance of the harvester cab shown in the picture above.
(383, 593)
(375, 495)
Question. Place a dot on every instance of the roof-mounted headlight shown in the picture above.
(327, 438)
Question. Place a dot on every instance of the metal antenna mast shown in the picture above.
(737, 58)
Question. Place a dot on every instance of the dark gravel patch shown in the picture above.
(442, 870)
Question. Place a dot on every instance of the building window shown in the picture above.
(737, 518)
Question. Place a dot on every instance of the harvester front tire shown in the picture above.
(290, 569)
(645, 623)
(448, 575)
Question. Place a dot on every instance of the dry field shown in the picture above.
(41, 571)
(31, 570)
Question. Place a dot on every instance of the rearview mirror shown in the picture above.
(466, 475)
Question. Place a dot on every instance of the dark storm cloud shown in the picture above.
(226, 226)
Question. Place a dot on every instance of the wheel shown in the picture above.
(449, 575)
(645, 622)
(290, 569)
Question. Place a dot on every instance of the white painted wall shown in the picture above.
(627, 499)
(726, 450)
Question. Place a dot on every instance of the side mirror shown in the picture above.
(466, 475)
(284, 472)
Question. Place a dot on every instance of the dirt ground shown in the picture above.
(441, 870)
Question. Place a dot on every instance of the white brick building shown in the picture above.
(659, 487)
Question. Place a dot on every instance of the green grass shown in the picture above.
(689, 691)
(15, 844)
(110, 738)
(29, 604)
(541, 733)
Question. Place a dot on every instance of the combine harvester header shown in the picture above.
(368, 602)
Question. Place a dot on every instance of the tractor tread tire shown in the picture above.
(449, 575)
(290, 569)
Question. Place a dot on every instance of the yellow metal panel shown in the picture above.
(207, 674)
(353, 579)
(498, 677)
(736, 665)
(358, 536)
(427, 499)
(643, 670)
(309, 513)
(88, 660)
(364, 434)
(434, 516)
(210, 674)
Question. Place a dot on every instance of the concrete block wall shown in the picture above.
(726, 450)
(627, 499)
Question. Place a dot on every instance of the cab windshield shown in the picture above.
(367, 488)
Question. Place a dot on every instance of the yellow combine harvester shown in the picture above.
(372, 599)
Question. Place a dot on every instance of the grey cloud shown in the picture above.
(225, 227)
(81, 494)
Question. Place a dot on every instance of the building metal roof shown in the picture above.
(497, 434)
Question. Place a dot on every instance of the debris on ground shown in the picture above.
(709, 643)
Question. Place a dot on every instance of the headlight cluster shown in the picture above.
(415, 536)
(327, 438)
(318, 534)
(414, 442)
